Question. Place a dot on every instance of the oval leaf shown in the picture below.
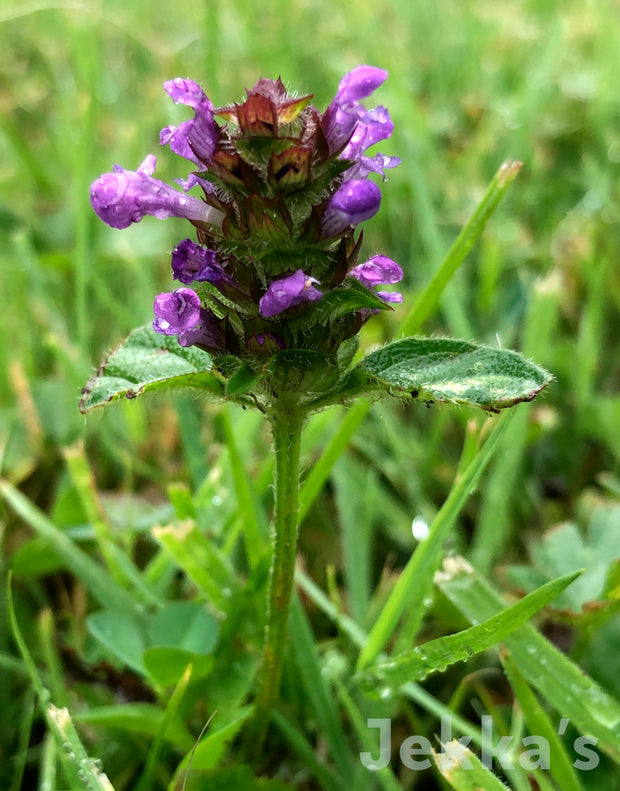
(442, 369)
(149, 361)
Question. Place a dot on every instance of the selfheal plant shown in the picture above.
(273, 292)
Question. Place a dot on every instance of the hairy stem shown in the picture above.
(286, 430)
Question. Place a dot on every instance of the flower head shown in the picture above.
(280, 189)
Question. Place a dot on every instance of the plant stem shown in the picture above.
(286, 429)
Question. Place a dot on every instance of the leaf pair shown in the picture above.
(431, 369)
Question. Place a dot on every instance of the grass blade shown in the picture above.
(428, 300)
(82, 773)
(416, 577)
(306, 752)
(255, 524)
(96, 580)
(317, 690)
(436, 655)
(320, 471)
(560, 765)
(574, 694)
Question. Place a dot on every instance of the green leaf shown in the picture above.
(167, 664)
(565, 548)
(148, 361)
(185, 624)
(436, 655)
(443, 369)
(207, 753)
(120, 633)
(574, 694)
(241, 381)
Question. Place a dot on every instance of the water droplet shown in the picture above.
(386, 693)
(216, 500)
(419, 528)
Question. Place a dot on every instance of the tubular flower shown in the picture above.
(352, 203)
(280, 189)
(123, 197)
(176, 312)
(287, 292)
(379, 270)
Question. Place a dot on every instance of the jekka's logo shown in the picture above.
(415, 751)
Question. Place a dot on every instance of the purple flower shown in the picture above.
(288, 292)
(345, 111)
(191, 261)
(176, 312)
(195, 140)
(124, 196)
(353, 202)
(379, 270)
(207, 333)
(372, 127)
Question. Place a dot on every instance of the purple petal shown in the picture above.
(288, 292)
(203, 133)
(183, 91)
(176, 137)
(195, 140)
(123, 197)
(176, 312)
(359, 83)
(379, 270)
(376, 164)
(373, 126)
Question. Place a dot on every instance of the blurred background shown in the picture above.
(471, 84)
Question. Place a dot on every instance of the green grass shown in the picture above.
(163, 498)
